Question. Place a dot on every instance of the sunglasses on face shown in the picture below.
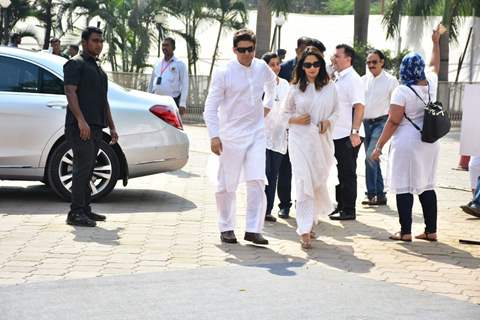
(245, 49)
(308, 65)
(374, 62)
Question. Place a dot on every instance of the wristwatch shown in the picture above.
(354, 131)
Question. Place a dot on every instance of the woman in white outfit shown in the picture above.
(412, 164)
(312, 108)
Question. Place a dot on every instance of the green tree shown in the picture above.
(452, 12)
(18, 10)
(191, 14)
(230, 14)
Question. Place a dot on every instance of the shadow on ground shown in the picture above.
(39, 199)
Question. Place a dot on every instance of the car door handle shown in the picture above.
(57, 105)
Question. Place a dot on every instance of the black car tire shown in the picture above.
(59, 167)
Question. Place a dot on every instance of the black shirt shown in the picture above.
(92, 85)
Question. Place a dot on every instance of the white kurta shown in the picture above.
(234, 113)
(311, 153)
(275, 127)
(412, 163)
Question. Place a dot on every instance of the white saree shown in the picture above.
(311, 153)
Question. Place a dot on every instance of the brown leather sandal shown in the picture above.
(306, 242)
(428, 236)
(399, 236)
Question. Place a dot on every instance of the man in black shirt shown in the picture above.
(88, 113)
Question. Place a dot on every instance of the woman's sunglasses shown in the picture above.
(308, 65)
(246, 49)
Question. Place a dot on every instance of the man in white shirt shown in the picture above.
(234, 114)
(379, 86)
(346, 138)
(170, 76)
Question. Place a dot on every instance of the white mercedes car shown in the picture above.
(32, 117)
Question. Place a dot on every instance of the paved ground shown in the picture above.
(168, 222)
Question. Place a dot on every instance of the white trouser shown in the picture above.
(474, 169)
(256, 206)
(305, 214)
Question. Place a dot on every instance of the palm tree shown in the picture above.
(231, 15)
(44, 11)
(265, 8)
(361, 13)
(191, 14)
(18, 10)
(452, 13)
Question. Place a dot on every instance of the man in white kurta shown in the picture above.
(234, 114)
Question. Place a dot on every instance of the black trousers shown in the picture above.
(428, 200)
(84, 158)
(346, 190)
(272, 167)
(284, 184)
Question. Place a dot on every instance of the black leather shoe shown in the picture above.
(270, 218)
(368, 200)
(342, 215)
(228, 236)
(337, 210)
(379, 201)
(284, 213)
(96, 217)
(80, 220)
(256, 238)
(472, 209)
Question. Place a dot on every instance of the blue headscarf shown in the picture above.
(412, 69)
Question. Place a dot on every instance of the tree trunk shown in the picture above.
(214, 57)
(48, 24)
(264, 27)
(444, 57)
(360, 32)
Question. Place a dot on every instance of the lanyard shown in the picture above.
(162, 69)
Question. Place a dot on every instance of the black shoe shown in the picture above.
(284, 213)
(379, 201)
(337, 210)
(256, 238)
(80, 220)
(96, 217)
(269, 217)
(472, 209)
(368, 200)
(228, 236)
(342, 215)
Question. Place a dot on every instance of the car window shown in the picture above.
(51, 84)
(22, 76)
(18, 76)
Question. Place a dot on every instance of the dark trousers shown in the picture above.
(428, 199)
(284, 184)
(346, 190)
(272, 167)
(84, 158)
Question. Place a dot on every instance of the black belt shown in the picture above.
(381, 118)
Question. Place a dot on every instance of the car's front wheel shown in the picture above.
(104, 178)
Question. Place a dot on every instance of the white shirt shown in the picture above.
(174, 79)
(275, 130)
(234, 107)
(350, 91)
(378, 93)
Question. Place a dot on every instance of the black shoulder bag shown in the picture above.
(436, 122)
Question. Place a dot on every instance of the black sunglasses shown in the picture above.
(374, 62)
(308, 65)
(247, 49)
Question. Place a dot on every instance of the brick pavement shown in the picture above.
(168, 222)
